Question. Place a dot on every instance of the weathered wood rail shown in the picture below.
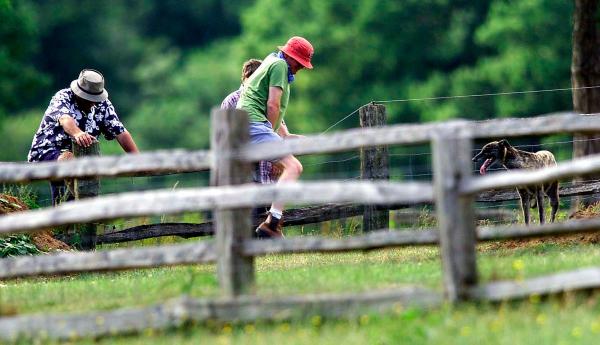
(172, 161)
(318, 214)
(453, 192)
(301, 216)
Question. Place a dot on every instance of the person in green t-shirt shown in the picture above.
(265, 97)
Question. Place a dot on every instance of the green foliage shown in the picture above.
(16, 134)
(527, 47)
(167, 63)
(177, 113)
(16, 245)
(19, 79)
(198, 22)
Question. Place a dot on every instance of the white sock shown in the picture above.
(276, 213)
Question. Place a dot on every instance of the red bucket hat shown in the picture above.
(299, 49)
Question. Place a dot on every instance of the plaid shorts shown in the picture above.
(264, 173)
(262, 132)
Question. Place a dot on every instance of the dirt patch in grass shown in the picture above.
(42, 239)
(591, 211)
(9, 203)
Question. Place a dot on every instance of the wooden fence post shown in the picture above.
(86, 188)
(452, 165)
(374, 165)
(232, 227)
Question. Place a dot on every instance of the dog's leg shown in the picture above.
(539, 195)
(552, 193)
(524, 194)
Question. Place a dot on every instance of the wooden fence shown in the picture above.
(323, 213)
(453, 191)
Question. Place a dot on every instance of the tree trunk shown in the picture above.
(585, 72)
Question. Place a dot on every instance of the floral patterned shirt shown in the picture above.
(51, 137)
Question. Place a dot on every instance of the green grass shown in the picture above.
(570, 319)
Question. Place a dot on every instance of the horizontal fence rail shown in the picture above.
(185, 310)
(373, 240)
(578, 167)
(578, 189)
(174, 161)
(110, 260)
(226, 197)
(580, 279)
(553, 229)
(566, 122)
(204, 251)
(292, 217)
(317, 214)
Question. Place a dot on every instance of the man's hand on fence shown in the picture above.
(84, 139)
(294, 136)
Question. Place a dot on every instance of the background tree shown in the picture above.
(168, 63)
(20, 80)
(585, 69)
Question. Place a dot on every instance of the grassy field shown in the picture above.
(566, 319)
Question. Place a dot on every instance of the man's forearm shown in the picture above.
(283, 131)
(273, 113)
(69, 125)
(127, 143)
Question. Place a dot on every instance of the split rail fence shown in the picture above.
(230, 159)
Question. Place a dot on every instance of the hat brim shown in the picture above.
(88, 96)
(301, 61)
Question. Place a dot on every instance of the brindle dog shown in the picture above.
(511, 158)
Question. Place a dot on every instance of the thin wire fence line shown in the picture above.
(333, 161)
(473, 150)
(342, 120)
(490, 94)
(552, 143)
(479, 95)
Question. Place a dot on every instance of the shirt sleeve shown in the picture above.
(59, 105)
(278, 75)
(112, 126)
(230, 102)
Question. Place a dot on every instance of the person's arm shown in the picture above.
(70, 126)
(284, 132)
(274, 104)
(126, 141)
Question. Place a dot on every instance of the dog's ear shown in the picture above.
(504, 143)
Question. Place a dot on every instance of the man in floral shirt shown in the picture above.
(77, 114)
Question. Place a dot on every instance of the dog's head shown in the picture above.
(492, 152)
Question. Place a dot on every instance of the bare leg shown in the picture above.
(291, 168)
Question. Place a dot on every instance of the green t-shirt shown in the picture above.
(272, 72)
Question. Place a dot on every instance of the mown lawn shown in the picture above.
(567, 319)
